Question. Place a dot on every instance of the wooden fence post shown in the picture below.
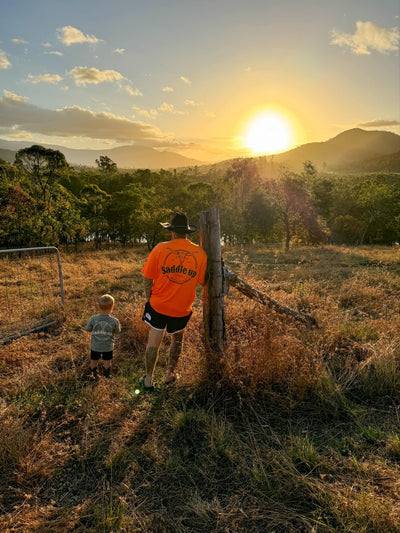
(213, 292)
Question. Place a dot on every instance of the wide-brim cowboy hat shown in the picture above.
(179, 224)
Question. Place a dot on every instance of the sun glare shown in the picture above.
(269, 133)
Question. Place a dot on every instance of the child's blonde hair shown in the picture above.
(106, 302)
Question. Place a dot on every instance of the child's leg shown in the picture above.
(94, 359)
(107, 358)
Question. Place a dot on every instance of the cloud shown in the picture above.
(47, 45)
(20, 135)
(4, 63)
(19, 41)
(147, 113)
(133, 92)
(368, 37)
(169, 108)
(44, 78)
(16, 114)
(153, 113)
(167, 89)
(379, 123)
(70, 35)
(13, 98)
(119, 51)
(192, 103)
(54, 53)
(84, 75)
(185, 80)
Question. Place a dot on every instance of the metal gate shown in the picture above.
(31, 291)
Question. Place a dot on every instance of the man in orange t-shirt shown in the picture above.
(171, 274)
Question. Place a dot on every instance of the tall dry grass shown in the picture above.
(300, 434)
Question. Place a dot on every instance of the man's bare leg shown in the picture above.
(151, 355)
(174, 353)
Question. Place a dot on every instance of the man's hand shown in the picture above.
(148, 285)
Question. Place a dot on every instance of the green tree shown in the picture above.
(94, 204)
(18, 218)
(122, 213)
(44, 167)
(235, 191)
(260, 216)
(294, 208)
(8, 173)
(149, 222)
(106, 165)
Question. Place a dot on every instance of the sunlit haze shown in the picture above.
(196, 77)
(269, 133)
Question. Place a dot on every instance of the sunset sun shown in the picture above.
(269, 133)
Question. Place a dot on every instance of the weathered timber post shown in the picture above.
(213, 292)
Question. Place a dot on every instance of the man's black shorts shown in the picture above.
(158, 321)
(95, 356)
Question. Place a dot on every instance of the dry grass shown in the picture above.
(300, 435)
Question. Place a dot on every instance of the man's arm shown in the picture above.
(148, 285)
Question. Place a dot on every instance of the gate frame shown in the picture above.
(8, 340)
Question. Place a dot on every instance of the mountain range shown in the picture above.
(347, 150)
(352, 150)
(129, 156)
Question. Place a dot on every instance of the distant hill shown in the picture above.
(383, 163)
(345, 151)
(7, 155)
(130, 156)
(354, 150)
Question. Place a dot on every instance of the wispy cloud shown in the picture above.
(132, 92)
(19, 41)
(120, 51)
(368, 37)
(379, 123)
(154, 113)
(169, 108)
(54, 53)
(4, 63)
(70, 35)
(44, 78)
(16, 114)
(12, 98)
(47, 45)
(84, 75)
(20, 135)
(192, 103)
(147, 113)
(185, 80)
(167, 89)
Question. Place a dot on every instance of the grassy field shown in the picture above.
(302, 434)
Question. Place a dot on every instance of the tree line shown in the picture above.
(44, 201)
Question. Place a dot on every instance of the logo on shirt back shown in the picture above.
(180, 266)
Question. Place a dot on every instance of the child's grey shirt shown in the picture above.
(103, 327)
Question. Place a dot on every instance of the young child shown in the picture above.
(103, 328)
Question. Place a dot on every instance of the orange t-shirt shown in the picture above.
(176, 267)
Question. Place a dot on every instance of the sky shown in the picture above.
(193, 76)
